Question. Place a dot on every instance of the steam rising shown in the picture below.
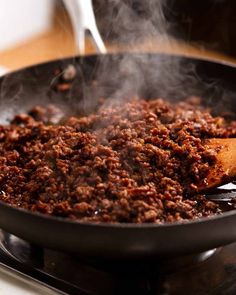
(140, 74)
(134, 23)
(119, 76)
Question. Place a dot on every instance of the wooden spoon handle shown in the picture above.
(225, 167)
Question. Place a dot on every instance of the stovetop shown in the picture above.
(209, 273)
(212, 272)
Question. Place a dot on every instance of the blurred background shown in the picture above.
(33, 31)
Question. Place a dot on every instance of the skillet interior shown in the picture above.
(149, 76)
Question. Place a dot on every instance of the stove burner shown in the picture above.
(212, 272)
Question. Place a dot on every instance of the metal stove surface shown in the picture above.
(212, 272)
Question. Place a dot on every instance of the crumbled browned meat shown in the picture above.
(136, 162)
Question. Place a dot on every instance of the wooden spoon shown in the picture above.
(225, 167)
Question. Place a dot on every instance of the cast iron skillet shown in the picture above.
(150, 76)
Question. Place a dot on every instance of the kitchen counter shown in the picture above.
(59, 43)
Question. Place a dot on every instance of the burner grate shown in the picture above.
(212, 272)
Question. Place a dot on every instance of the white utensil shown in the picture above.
(83, 21)
(3, 70)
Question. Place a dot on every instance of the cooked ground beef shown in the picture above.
(134, 162)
